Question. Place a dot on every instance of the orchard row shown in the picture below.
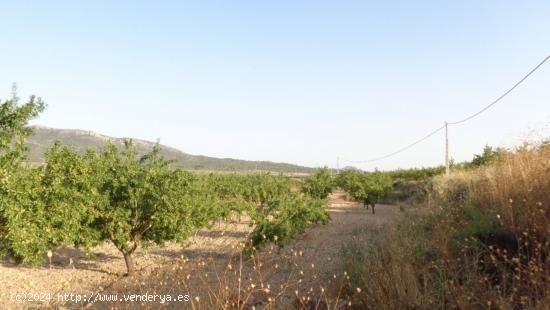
(117, 195)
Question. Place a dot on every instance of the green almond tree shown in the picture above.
(49, 206)
(144, 201)
(287, 217)
(319, 185)
(367, 187)
(70, 196)
(376, 186)
(17, 183)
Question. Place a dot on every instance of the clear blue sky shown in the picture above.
(288, 81)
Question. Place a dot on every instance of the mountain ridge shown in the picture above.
(80, 140)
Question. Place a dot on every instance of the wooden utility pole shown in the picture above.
(447, 149)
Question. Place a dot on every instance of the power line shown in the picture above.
(454, 123)
(503, 95)
(398, 151)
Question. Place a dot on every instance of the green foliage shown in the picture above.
(346, 179)
(144, 201)
(489, 155)
(319, 185)
(244, 193)
(416, 174)
(19, 226)
(278, 214)
(24, 221)
(131, 198)
(13, 127)
(377, 185)
(408, 192)
(367, 187)
(482, 228)
(287, 217)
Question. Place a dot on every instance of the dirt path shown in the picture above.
(347, 218)
(208, 266)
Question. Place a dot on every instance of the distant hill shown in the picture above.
(80, 140)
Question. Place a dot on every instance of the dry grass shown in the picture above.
(483, 242)
(264, 280)
(267, 280)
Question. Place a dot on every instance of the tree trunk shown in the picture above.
(372, 206)
(129, 263)
(128, 258)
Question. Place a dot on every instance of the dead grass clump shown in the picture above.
(515, 195)
(397, 267)
(483, 242)
(266, 280)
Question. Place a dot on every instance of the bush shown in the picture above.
(405, 192)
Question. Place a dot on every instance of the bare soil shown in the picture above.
(208, 265)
